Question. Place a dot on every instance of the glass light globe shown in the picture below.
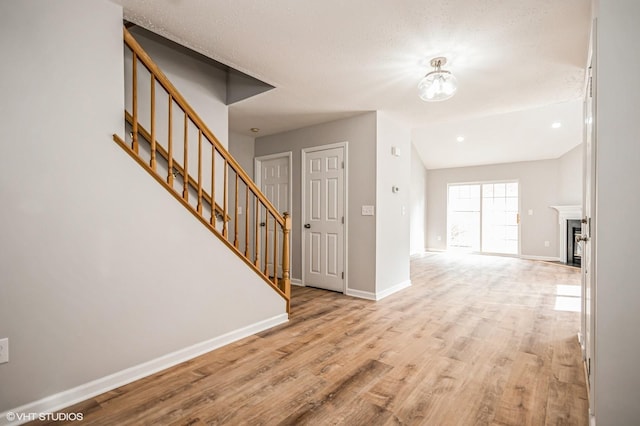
(437, 86)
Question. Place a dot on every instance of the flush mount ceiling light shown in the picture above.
(438, 85)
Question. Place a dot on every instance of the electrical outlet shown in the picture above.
(4, 350)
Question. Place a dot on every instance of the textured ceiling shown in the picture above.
(335, 58)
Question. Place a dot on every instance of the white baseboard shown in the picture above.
(360, 294)
(522, 256)
(296, 281)
(545, 258)
(396, 288)
(96, 387)
(378, 296)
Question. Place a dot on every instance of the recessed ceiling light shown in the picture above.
(255, 129)
(556, 125)
(460, 138)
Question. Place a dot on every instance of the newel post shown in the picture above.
(286, 277)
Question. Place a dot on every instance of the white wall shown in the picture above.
(617, 376)
(360, 133)
(418, 201)
(392, 209)
(100, 269)
(538, 191)
(571, 177)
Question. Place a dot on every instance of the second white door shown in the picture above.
(323, 220)
(274, 175)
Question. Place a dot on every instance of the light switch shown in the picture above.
(367, 210)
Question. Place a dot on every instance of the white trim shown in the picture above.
(522, 256)
(360, 294)
(437, 250)
(296, 281)
(96, 387)
(345, 256)
(396, 288)
(565, 213)
(544, 258)
(378, 296)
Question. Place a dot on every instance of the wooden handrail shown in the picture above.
(264, 264)
(143, 57)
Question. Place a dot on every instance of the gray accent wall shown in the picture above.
(201, 84)
(242, 149)
(100, 268)
(378, 246)
(360, 133)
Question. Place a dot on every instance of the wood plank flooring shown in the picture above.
(476, 340)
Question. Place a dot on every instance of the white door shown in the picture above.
(273, 181)
(323, 218)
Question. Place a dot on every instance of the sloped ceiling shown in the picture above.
(335, 58)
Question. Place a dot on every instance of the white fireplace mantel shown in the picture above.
(565, 213)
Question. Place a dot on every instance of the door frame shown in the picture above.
(588, 267)
(345, 179)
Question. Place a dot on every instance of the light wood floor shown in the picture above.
(475, 341)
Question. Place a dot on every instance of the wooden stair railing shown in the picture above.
(177, 168)
(268, 254)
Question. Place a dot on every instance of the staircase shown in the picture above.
(170, 141)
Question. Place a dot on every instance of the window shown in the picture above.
(463, 231)
(483, 217)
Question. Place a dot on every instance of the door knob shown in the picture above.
(307, 225)
(582, 238)
(262, 224)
